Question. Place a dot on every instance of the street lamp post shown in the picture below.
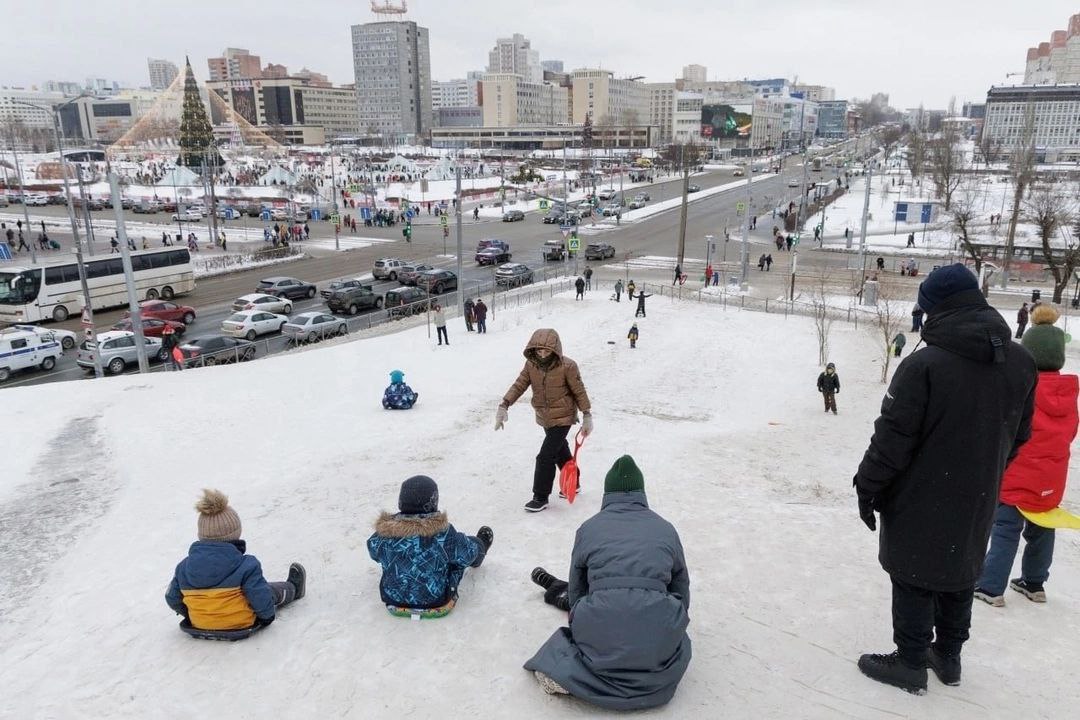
(22, 192)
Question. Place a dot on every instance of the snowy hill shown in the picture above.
(719, 409)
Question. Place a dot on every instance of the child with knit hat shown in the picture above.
(218, 587)
(1035, 479)
(398, 395)
(423, 557)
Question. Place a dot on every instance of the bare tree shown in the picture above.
(948, 164)
(1022, 170)
(962, 218)
(916, 153)
(990, 148)
(889, 316)
(889, 138)
(1049, 210)
(823, 320)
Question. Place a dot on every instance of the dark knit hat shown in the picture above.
(419, 496)
(1045, 342)
(217, 521)
(624, 476)
(943, 283)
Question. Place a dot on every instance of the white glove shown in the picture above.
(586, 424)
(500, 418)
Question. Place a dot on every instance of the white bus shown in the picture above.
(51, 291)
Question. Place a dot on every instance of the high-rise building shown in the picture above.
(555, 66)
(509, 101)
(1057, 61)
(392, 63)
(235, 63)
(832, 119)
(694, 73)
(62, 86)
(514, 55)
(273, 70)
(291, 107)
(1047, 116)
(460, 92)
(162, 73)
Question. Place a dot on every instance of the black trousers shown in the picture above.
(554, 452)
(918, 612)
(441, 332)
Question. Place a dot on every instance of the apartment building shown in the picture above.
(392, 63)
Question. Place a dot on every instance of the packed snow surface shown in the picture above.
(719, 409)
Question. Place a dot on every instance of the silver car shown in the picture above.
(117, 350)
(262, 301)
(312, 326)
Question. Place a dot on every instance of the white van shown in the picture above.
(21, 349)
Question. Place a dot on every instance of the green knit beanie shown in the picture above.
(624, 476)
(1046, 344)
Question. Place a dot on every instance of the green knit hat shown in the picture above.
(624, 476)
(1045, 342)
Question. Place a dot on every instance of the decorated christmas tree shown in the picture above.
(197, 148)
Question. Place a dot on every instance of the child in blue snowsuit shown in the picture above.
(398, 396)
(422, 556)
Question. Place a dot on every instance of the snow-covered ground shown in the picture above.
(717, 406)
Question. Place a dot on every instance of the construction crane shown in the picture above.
(388, 9)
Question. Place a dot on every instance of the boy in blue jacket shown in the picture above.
(422, 556)
(398, 396)
(218, 587)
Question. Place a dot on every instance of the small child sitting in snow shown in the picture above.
(218, 586)
(633, 335)
(398, 396)
(422, 556)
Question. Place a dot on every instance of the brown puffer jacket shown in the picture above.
(558, 392)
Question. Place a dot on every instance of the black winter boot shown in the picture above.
(892, 670)
(485, 535)
(298, 579)
(946, 667)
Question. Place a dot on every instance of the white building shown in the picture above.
(1055, 116)
(686, 117)
(694, 74)
(13, 111)
(460, 92)
(1057, 61)
(162, 73)
(817, 93)
(507, 100)
(392, 62)
(799, 121)
(609, 100)
(514, 55)
(767, 130)
(662, 108)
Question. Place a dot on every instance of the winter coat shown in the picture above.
(398, 396)
(641, 299)
(558, 392)
(168, 341)
(480, 311)
(579, 284)
(633, 334)
(953, 417)
(828, 383)
(1022, 316)
(218, 587)
(420, 555)
(469, 310)
(626, 646)
(899, 341)
(588, 273)
(618, 286)
(439, 317)
(1036, 478)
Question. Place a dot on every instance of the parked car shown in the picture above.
(643, 196)
(408, 273)
(599, 251)
(26, 349)
(279, 214)
(636, 204)
(249, 324)
(339, 285)
(215, 350)
(148, 207)
(437, 281)
(513, 215)
(151, 327)
(168, 205)
(299, 216)
(37, 199)
(693, 188)
(406, 301)
(554, 249)
(3, 200)
(66, 338)
(492, 256)
(612, 210)
(354, 299)
(513, 275)
(312, 326)
(485, 244)
(165, 310)
(606, 194)
(117, 350)
(585, 209)
(738, 172)
(287, 287)
(793, 183)
(187, 216)
(387, 268)
(259, 301)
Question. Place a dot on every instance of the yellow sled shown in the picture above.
(1058, 518)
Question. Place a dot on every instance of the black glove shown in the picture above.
(867, 505)
(486, 536)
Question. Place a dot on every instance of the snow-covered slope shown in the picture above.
(718, 407)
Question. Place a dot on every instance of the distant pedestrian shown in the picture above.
(640, 312)
(579, 285)
(22, 242)
(470, 315)
(632, 336)
(708, 274)
(828, 384)
(481, 316)
(768, 262)
(618, 290)
(898, 344)
(916, 319)
(440, 323)
(1021, 321)
(588, 278)
(678, 273)
(761, 263)
(630, 288)
(911, 240)
(881, 264)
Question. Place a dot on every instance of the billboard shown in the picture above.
(724, 122)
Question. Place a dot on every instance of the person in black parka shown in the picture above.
(828, 384)
(955, 414)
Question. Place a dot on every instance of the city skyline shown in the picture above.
(915, 59)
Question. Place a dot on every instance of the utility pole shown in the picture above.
(71, 216)
(333, 194)
(129, 277)
(745, 282)
(682, 210)
(862, 229)
(208, 179)
(22, 193)
(88, 311)
(457, 204)
(86, 211)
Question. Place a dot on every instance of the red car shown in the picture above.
(165, 310)
(152, 327)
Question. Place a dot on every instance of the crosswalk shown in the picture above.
(346, 242)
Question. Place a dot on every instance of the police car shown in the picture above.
(67, 338)
(22, 349)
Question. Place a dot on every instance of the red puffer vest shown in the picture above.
(1035, 480)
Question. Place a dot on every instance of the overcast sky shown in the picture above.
(917, 51)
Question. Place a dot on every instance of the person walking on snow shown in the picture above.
(579, 285)
(761, 263)
(618, 290)
(937, 489)
(708, 274)
(678, 273)
(630, 288)
(558, 394)
(1035, 480)
(898, 344)
(828, 384)
(768, 262)
(1021, 320)
(640, 312)
(480, 311)
(632, 336)
(916, 318)
(439, 316)
(469, 316)
(588, 278)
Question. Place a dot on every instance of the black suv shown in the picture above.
(405, 301)
(286, 287)
(599, 251)
(352, 300)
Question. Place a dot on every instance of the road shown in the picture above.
(654, 236)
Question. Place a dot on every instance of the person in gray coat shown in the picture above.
(628, 596)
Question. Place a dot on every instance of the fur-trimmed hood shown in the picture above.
(396, 525)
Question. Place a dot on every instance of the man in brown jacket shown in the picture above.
(558, 394)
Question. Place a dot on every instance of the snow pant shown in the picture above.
(558, 594)
(633, 343)
(640, 312)
(830, 400)
(1020, 330)
(481, 325)
(284, 592)
(468, 322)
(1009, 524)
(580, 295)
(618, 294)
(441, 332)
(918, 612)
(630, 294)
(588, 283)
(554, 452)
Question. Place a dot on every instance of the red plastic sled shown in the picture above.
(569, 476)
